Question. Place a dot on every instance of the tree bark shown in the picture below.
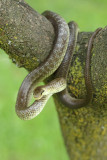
(85, 129)
(27, 37)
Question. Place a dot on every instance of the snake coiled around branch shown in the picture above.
(64, 44)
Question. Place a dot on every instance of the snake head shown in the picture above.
(38, 93)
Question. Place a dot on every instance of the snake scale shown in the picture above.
(60, 56)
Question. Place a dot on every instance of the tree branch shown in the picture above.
(28, 38)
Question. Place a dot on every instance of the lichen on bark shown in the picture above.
(23, 36)
(85, 129)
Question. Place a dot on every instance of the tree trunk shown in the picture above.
(85, 129)
(28, 38)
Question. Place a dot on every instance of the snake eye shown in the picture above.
(42, 92)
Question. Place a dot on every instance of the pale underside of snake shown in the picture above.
(58, 85)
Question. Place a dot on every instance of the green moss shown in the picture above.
(85, 129)
(101, 94)
(77, 81)
(24, 61)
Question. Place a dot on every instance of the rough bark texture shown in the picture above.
(25, 35)
(85, 129)
(27, 38)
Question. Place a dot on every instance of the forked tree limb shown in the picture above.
(27, 37)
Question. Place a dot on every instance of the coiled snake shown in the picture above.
(48, 67)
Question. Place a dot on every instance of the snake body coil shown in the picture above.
(49, 66)
(62, 71)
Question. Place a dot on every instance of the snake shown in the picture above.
(62, 73)
(64, 96)
(57, 62)
(23, 108)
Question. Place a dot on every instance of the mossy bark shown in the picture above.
(27, 38)
(85, 129)
(25, 35)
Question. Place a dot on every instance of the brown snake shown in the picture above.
(63, 69)
(48, 67)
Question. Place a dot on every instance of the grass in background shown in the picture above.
(40, 138)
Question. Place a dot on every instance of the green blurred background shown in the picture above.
(40, 138)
